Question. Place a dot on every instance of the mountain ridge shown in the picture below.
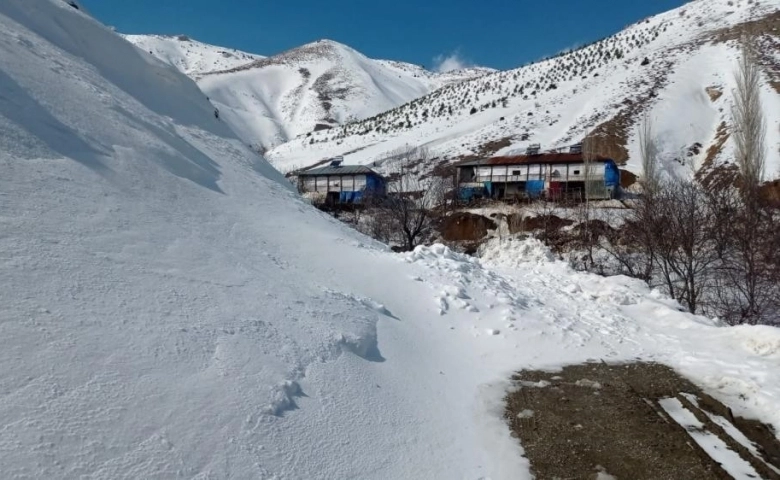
(661, 66)
(322, 84)
(190, 56)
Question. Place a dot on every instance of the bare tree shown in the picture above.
(376, 223)
(747, 281)
(410, 207)
(705, 248)
(590, 153)
(648, 154)
(715, 250)
(630, 249)
(747, 285)
(545, 212)
(749, 129)
(685, 253)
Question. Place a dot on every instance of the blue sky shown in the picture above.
(495, 33)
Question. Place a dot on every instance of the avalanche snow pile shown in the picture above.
(170, 308)
(676, 68)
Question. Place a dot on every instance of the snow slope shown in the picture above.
(190, 56)
(662, 66)
(171, 309)
(271, 100)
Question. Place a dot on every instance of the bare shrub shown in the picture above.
(708, 249)
(685, 253)
(668, 241)
(747, 280)
(548, 222)
(409, 211)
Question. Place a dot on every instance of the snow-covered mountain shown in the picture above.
(170, 308)
(190, 56)
(676, 68)
(324, 84)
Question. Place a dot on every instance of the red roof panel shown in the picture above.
(543, 158)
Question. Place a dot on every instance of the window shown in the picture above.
(515, 173)
(576, 172)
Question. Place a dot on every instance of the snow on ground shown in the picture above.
(624, 320)
(736, 466)
(735, 433)
(612, 212)
(171, 309)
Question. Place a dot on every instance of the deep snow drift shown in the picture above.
(171, 309)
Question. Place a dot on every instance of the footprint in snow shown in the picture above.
(441, 302)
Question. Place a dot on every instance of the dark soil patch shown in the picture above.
(595, 417)
(596, 228)
(466, 227)
(627, 178)
(442, 169)
(717, 176)
(490, 148)
(714, 93)
(518, 224)
(770, 193)
(612, 137)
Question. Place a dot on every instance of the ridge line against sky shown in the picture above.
(500, 34)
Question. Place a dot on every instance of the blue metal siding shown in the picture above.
(350, 197)
(611, 174)
(466, 194)
(534, 188)
(375, 184)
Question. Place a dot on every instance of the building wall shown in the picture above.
(343, 183)
(612, 175)
(521, 173)
(376, 185)
(602, 178)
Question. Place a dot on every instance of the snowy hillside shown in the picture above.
(171, 309)
(675, 67)
(319, 85)
(190, 56)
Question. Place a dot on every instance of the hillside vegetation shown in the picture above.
(676, 68)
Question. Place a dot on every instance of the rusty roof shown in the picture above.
(542, 158)
(337, 170)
